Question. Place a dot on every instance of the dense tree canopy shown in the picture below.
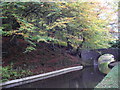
(76, 24)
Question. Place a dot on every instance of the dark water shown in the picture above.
(89, 77)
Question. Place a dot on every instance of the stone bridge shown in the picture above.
(90, 57)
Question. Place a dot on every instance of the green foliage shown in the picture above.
(9, 73)
(29, 49)
(6, 33)
(58, 23)
(115, 44)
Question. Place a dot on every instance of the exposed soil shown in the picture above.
(43, 59)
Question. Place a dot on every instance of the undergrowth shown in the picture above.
(8, 73)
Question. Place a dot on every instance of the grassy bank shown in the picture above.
(111, 80)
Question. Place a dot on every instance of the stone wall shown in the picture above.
(90, 57)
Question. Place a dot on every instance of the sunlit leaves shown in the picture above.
(29, 49)
(54, 22)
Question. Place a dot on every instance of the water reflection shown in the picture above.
(86, 78)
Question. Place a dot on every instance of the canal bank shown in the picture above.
(111, 80)
(34, 78)
(88, 77)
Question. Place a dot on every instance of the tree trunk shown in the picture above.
(79, 48)
(14, 41)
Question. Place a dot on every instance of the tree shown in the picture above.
(70, 24)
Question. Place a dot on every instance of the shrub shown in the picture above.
(8, 73)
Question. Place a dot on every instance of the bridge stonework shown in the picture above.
(90, 57)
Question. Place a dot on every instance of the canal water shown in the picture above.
(89, 77)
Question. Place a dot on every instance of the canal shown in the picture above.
(89, 77)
